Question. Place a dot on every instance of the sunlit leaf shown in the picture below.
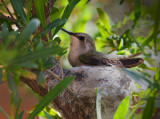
(122, 109)
(39, 6)
(47, 115)
(149, 109)
(51, 95)
(98, 104)
(105, 19)
(27, 32)
(53, 113)
(19, 8)
(120, 44)
(67, 12)
(87, 1)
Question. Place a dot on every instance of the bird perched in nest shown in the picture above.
(83, 52)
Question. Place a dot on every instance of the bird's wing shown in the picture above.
(95, 58)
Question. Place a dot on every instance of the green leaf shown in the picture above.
(29, 9)
(121, 2)
(39, 6)
(44, 52)
(47, 115)
(19, 9)
(147, 40)
(67, 12)
(13, 87)
(98, 104)
(122, 109)
(58, 40)
(51, 95)
(87, 2)
(1, 71)
(137, 12)
(104, 19)
(53, 113)
(53, 24)
(156, 27)
(120, 44)
(20, 116)
(137, 76)
(27, 32)
(149, 109)
(41, 78)
(19, 103)
(56, 13)
(4, 113)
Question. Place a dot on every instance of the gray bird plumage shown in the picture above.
(83, 52)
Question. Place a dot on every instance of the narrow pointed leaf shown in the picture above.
(51, 95)
(20, 116)
(67, 12)
(29, 9)
(53, 24)
(39, 6)
(1, 75)
(122, 109)
(47, 115)
(27, 32)
(137, 76)
(44, 52)
(98, 104)
(18, 106)
(4, 113)
(41, 78)
(105, 19)
(19, 9)
(149, 109)
(13, 87)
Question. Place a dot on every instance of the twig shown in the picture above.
(7, 9)
(8, 18)
(54, 75)
(60, 67)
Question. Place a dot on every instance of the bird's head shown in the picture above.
(81, 41)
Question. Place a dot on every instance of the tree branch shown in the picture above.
(7, 9)
(8, 18)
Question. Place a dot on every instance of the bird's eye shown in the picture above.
(82, 38)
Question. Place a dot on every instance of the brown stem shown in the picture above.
(7, 9)
(8, 18)
(48, 9)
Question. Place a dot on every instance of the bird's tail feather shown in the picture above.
(128, 63)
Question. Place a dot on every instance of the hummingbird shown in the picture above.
(83, 52)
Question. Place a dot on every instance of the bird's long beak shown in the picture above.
(70, 33)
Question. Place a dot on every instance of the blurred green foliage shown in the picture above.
(24, 49)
